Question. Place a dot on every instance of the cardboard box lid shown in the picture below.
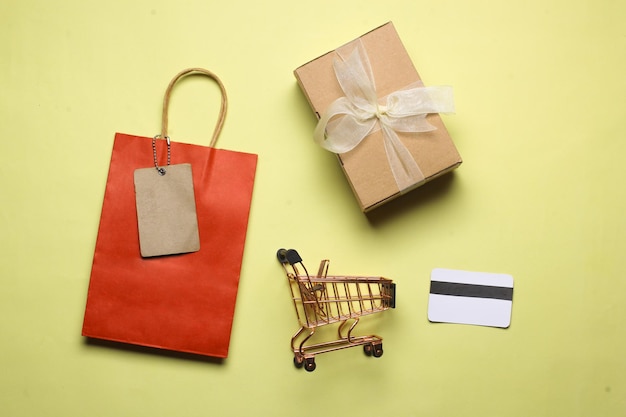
(366, 166)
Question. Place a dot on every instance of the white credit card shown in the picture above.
(463, 297)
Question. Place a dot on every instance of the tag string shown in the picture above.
(161, 170)
(166, 102)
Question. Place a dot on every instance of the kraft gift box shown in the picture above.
(367, 166)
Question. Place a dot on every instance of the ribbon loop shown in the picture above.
(351, 118)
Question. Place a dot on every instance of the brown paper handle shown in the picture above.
(168, 92)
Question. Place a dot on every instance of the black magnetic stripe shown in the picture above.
(471, 290)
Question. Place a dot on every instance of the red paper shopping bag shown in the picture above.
(180, 301)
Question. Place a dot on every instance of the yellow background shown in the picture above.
(540, 88)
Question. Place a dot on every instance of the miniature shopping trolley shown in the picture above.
(322, 300)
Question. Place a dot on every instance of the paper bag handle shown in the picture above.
(168, 92)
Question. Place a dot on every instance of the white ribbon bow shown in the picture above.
(349, 119)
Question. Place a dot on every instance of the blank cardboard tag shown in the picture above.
(479, 298)
(166, 211)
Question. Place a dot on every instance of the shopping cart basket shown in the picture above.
(322, 300)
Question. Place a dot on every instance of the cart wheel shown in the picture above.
(309, 364)
(367, 349)
(378, 350)
(298, 361)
